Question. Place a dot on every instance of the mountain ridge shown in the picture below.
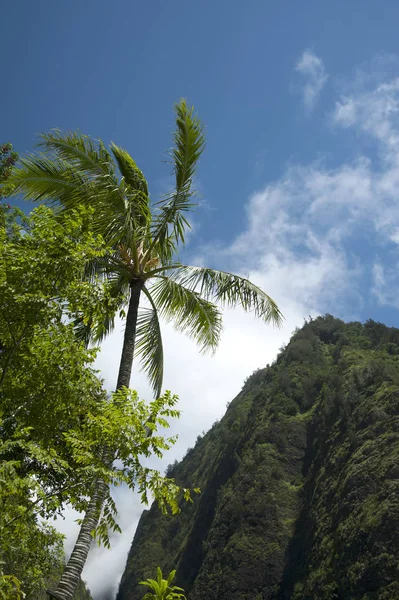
(299, 480)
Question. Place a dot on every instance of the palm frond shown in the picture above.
(103, 327)
(62, 185)
(135, 187)
(148, 346)
(81, 151)
(76, 170)
(92, 160)
(230, 290)
(108, 268)
(83, 331)
(121, 215)
(189, 143)
(190, 313)
(95, 268)
(94, 330)
(94, 327)
(40, 178)
(119, 283)
(132, 174)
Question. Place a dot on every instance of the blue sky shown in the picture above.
(299, 179)
(115, 72)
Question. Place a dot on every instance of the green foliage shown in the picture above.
(43, 370)
(10, 587)
(298, 480)
(29, 551)
(162, 589)
(47, 384)
(129, 425)
(55, 418)
(8, 158)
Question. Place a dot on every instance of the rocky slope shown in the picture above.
(299, 480)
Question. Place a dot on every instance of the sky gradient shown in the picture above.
(298, 182)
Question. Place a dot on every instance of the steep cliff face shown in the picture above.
(299, 480)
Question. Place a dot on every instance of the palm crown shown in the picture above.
(143, 238)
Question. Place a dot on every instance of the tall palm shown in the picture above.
(144, 238)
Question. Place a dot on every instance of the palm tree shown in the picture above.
(162, 589)
(74, 170)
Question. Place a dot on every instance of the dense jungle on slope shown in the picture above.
(299, 480)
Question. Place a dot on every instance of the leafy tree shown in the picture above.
(43, 371)
(55, 417)
(144, 239)
(162, 589)
(8, 158)
(10, 588)
(29, 550)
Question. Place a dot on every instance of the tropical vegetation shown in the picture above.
(8, 158)
(55, 416)
(162, 589)
(139, 261)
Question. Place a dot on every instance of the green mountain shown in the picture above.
(299, 480)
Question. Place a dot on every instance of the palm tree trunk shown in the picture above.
(125, 367)
(71, 575)
(73, 570)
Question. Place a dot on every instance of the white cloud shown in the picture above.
(297, 244)
(375, 112)
(385, 284)
(311, 67)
